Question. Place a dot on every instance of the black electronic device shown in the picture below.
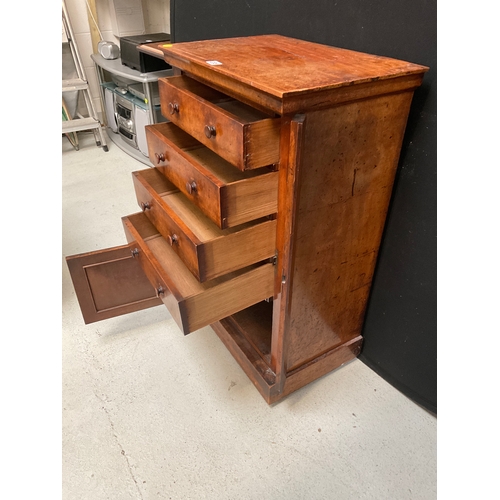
(140, 61)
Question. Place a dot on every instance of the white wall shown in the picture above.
(156, 20)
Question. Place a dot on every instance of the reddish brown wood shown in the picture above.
(321, 365)
(257, 370)
(205, 249)
(336, 144)
(235, 338)
(244, 136)
(192, 304)
(110, 283)
(349, 161)
(255, 324)
(291, 155)
(274, 70)
(227, 196)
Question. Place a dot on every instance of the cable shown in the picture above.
(93, 19)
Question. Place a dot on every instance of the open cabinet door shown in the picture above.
(110, 283)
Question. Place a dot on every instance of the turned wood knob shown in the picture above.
(173, 107)
(191, 187)
(209, 131)
(160, 157)
(145, 206)
(173, 239)
(160, 291)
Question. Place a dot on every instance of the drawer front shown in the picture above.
(135, 230)
(167, 147)
(175, 232)
(206, 250)
(245, 137)
(227, 196)
(192, 304)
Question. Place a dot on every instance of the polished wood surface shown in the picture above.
(227, 196)
(192, 304)
(264, 214)
(349, 160)
(286, 74)
(205, 249)
(255, 323)
(244, 136)
(319, 366)
(110, 283)
(291, 161)
(250, 360)
(272, 386)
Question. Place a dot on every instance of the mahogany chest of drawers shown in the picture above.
(264, 212)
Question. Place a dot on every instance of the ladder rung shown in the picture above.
(79, 124)
(76, 84)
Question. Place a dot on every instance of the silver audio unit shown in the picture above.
(130, 120)
(137, 89)
(125, 119)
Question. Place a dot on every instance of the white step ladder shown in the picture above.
(72, 125)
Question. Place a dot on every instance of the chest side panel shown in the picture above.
(349, 160)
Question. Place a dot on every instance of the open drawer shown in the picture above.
(192, 304)
(244, 136)
(226, 195)
(206, 250)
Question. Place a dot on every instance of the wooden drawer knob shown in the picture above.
(173, 239)
(209, 131)
(145, 206)
(173, 107)
(160, 157)
(191, 187)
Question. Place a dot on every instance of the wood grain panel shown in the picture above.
(245, 137)
(285, 73)
(350, 156)
(225, 194)
(291, 160)
(255, 323)
(252, 198)
(191, 303)
(320, 366)
(205, 249)
(257, 370)
(110, 283)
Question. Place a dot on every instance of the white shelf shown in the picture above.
(116, 67)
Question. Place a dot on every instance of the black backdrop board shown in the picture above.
(400, 325)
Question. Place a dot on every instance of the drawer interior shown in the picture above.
(211, 164)
(246, 137)
(178, 274)
(199, 224)
(255, 324)
(241, 111)
(222, 169)
(194, 304)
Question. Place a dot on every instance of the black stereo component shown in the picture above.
(140, 61)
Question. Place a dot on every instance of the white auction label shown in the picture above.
(214, 63)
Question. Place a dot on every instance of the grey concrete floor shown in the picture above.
(150, 414)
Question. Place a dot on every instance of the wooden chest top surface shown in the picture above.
(283, 66)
